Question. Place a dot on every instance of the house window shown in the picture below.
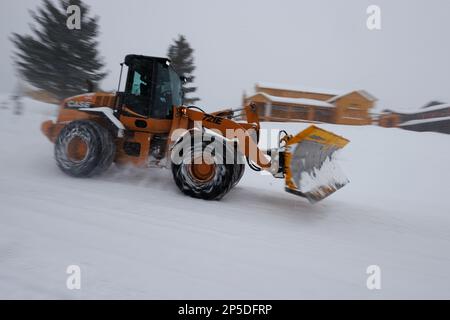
(299, 113)
(324, 115)
(280, 112)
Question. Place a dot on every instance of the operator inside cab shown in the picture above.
(153, 87)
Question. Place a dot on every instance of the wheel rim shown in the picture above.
(77, 149)
(202, 171)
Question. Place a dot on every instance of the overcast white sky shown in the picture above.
(320, 43)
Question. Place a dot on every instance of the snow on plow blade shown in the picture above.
(311, 171)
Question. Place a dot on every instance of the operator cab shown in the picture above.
(152, 88)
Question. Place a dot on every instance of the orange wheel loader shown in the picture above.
(147, 125)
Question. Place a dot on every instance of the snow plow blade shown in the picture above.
(310, 169)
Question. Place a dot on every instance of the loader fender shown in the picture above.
(208, 135)
(108, 113)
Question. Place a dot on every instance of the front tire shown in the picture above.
(84, 149)
(200, 174)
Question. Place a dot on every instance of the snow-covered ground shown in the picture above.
(135, 236)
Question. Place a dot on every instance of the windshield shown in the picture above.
(168, 91)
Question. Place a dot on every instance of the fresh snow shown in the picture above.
(134, 235)
(329, 174)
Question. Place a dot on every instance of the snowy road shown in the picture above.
(135, 236)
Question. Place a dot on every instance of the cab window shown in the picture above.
(168, 91)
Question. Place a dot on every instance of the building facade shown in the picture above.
(285, 103)
(433, 118)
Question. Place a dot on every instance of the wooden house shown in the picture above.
(296, 103)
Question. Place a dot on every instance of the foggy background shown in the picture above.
(322, 44)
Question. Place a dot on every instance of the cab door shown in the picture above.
(139, 89)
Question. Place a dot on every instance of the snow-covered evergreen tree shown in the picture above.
(182, 56)
(56, 59)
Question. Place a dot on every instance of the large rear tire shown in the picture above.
(84, 149)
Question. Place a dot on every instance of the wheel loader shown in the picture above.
(147, 125)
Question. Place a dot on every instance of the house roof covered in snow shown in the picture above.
(331, 92)
(299, 88)
(363, 93)
(420, 121)
(421, 110)
(298, 101)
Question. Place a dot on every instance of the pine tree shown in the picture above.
(181, 55)
(56, 59)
